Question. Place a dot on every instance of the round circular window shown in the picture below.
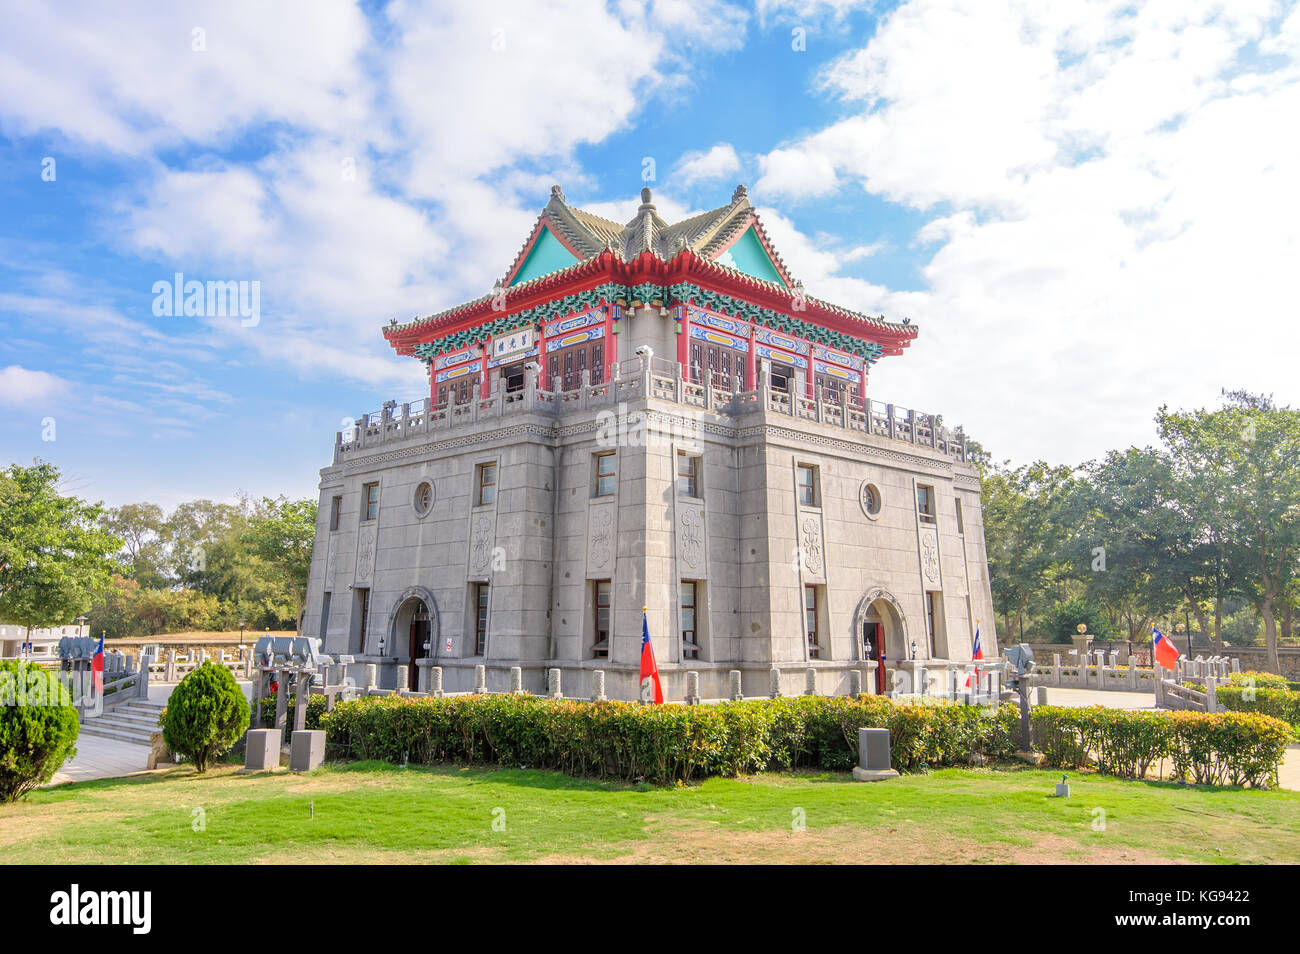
(423, 499)
(869, 498)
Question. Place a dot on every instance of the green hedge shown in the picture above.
(1279, 703)
(662, 743)
(315, 710)
(677, 743)
(1235, 748)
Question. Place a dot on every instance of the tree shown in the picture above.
(1023, 529)
(281, 533)
(1247, 458)
(205, 715)
(54, 555)
(144, 554)
(38, 728)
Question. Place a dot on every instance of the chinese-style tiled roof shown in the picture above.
(653, 249)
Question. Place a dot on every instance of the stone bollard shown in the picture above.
(855, 682)
(480, 680)
(734, 686)
(372, 676)
(598, 685)
(553, 684)
(1042, 695)
(435, 680)
(692, 688)
(774, 683)
(1211, 694)
(516, 679)
(262, 750)
(873, 756)
(170, 674)
(306, 750)
(810, 682)
(403, 677)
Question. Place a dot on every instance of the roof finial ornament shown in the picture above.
(557, 193)
(738, 194)
(645, 196)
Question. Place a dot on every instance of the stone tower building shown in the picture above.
(649, 415)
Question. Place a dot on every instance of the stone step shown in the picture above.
(92, 727)
(131, 716)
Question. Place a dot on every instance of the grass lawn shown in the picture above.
(372, 812)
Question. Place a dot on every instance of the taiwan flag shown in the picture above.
(97, 665)
(651, 690)
(977, 654)
(1166, 653)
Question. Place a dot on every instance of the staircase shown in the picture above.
(126, 722)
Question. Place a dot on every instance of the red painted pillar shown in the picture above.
(751, 362)
(483, 372)
(809, 375)
(684, 343)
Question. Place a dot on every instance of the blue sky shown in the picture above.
(1089, 211)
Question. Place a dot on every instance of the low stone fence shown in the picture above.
(971, 683)
(173, 665)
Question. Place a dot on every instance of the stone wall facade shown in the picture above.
(547, 538)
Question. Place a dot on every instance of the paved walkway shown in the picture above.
(102, 758)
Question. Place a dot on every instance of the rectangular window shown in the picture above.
(601, 591)
(781, 377)
(688, 468)
(325, 616)
(810, 621)
(513, 377)
(925, 503)
(605, 474)
(807, 485)
(362, 617)
(690, 636)
(336, 512)
(369, 501)
(480, 618)
(961, 525)
(930, 599)
(487, 484)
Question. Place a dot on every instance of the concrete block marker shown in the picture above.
(873, 756)
(307, 750)
(262, 750)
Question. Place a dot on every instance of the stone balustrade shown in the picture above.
(657, 379)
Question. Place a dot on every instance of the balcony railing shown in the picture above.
(662, 380)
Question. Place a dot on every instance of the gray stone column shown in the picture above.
(598, 685)
(553, 689)
(435, 680)
(855, 682)
(692, 688)
(480, 679)
(516, 679)
(372, 676)
(734, 686)
(774, 683)
(403, 678)
(810, 682)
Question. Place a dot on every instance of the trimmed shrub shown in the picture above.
(315, 709)
(662, 743)
(38, 728)
(1281, 704)
(205, 716)
(1261, 680)
(1239, 748)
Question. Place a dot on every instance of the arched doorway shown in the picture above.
(881, 630)
(413, 631)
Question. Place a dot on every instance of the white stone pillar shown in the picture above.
(774, 683)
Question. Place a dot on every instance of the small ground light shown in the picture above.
(1063, 788)
(311, 806)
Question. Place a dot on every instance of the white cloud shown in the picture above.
(1117, 213)
(20, 387)
(696, 167)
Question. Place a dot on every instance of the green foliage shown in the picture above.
(38, 728)
(662, 744)
(1260, 680)
(1280, 703)
(1209, 749)
(205, 716)
(54, 556)
(315, 710)
(1062, 621)
(281, 533)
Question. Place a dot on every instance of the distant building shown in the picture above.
(648, 415)
(44, 642)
